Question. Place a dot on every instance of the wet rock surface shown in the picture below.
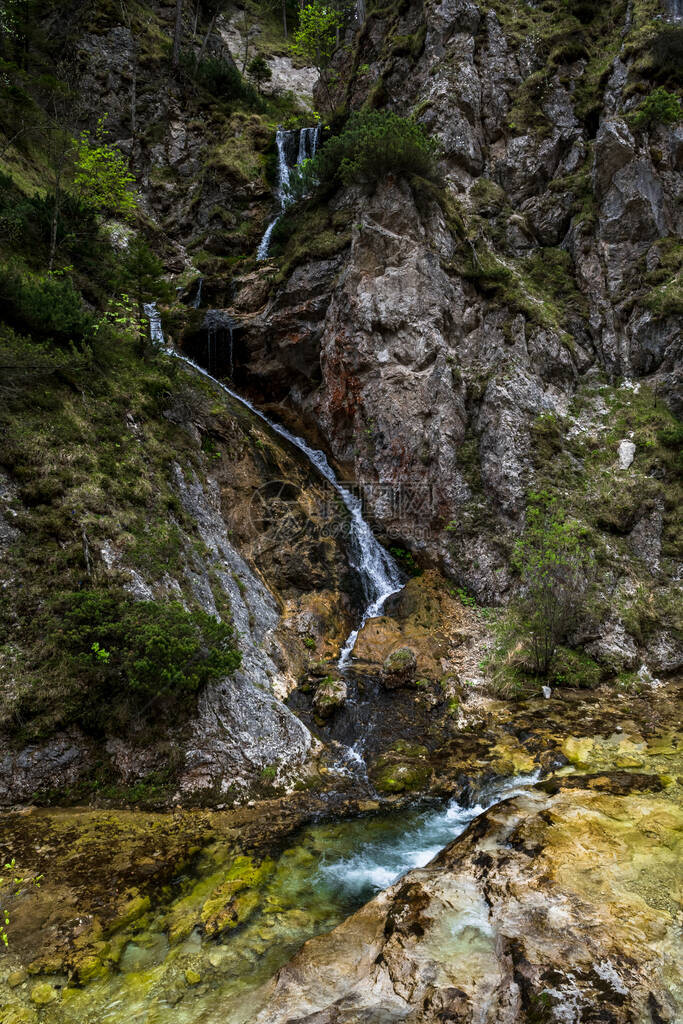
(547, 906)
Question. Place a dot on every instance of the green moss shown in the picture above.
(400, 777)
(309, 231)
(574, 668)
(234, 901)
(665, 297)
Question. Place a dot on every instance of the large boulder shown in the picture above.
(330, 695)
(548, 907)
(399, 668)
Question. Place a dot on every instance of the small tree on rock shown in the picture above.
(554, 566)
(259, 71)
(317, 35)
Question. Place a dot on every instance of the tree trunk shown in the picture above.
(284, 16)
(206, 40)
(55, 223)
(178, 32)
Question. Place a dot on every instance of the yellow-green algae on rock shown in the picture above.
(136, 906)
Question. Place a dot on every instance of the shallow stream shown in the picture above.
(326, 874)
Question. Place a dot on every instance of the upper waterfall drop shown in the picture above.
(305, 147)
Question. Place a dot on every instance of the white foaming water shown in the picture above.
(378, 572)
(282, 184)
(382, 862)
(308, 144)
(156, 331)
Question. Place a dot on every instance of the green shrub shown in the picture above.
(555, 569)
(372, 145)
(153, 648)
(574, 668)
(44, 308)
(101, 657)
(660, 107)
(220, 78)
(25, 228)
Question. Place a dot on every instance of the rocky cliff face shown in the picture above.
(437, 347)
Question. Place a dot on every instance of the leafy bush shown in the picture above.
(660, 107)
(144, 646)
(25, 227)
(101, 174)
(555, 569)
(44, 308)
(574, 668)
(372, 145)
(102, 657)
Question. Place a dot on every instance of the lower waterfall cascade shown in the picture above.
(379, 574)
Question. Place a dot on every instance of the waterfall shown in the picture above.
(379, 574)
(360, 11)
(156, 331)
(308, 141)
(198, 297)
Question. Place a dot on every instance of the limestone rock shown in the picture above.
(399, 668)
(570, 907)
(330, 695)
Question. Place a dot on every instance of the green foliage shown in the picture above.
(315, 39)
(110, 655)
(468, 600)
(406, 559)
(574, 668)
(142, 272)
(44, 308)
(221, 78)
(372, 145)
(660, 107)
(101, 174)
(149, 648)
(25, 227)
(554, 569)
(259, 71)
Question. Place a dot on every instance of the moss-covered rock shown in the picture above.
(330, 695)
(399, 668)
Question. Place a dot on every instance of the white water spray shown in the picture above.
(380, 863)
